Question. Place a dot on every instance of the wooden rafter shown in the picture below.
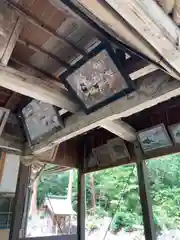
(153, 89)
(150, 19)
(121, 129)
(35, 21)
(12, 41)
(108, 19)
(42, 50)
(47, 76)
(47, 91)
(11, 144)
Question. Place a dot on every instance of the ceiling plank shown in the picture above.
(51, 92)
(8, 20)
(37, 22)
(121, 129)
(110, 20)
(151, 90)
(43, 51)
(143, 71)
(12, 41)
(11, 100)
(11, 144)
(150, 19)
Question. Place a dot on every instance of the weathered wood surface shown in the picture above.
(47, 91)
(64, 237)
(19, 202)
(8, 19)
(12, 41)
(4, 118)
(151, 90)
(11, 144)
(112, 22)
(153, 24)
(145, 199)
(121, 129)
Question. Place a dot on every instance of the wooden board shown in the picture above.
(2, 162)
(152, 90)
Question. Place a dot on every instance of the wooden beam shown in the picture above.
(47, 91)
(38, 23)
(81, 214)
(121, 129)
(145, 199)
(43, 51)
(7, 26)
(110, 20)
(19, 202)
(36, 71)
(4, 118)
(151, 90)
(11, 101)
(11, 144)
(12, 41)
(143, 71)
(150, 19)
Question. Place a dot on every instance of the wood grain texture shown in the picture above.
(152, 23)
(50, 92)
(8, 19)
(2, 162)
(121, 129)
(12, 41)
(153, 89)
(112, 21)
(64, 237)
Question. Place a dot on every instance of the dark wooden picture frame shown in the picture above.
(102, 155)
(174, 131)
(115, 60)
(120, 145)
(151, 138)
(36, 140)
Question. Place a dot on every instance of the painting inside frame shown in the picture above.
(118, 149)
(102, 155)
(154, 138)
(97, 80)
(175, 132)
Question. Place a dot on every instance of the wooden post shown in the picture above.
(93, 197)
(81, 206)
(19, 202)
(12, 41)
(149, 227)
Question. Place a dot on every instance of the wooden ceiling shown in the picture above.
(51, 38)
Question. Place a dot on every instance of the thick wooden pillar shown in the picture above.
(81, 205)
(19, 202)
(142, 171)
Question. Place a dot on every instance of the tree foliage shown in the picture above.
(116, 193)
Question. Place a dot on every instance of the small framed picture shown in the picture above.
(102, 155)
(175, 132)
(98, 79)
(118, 149)
(154, 138)
(90, 161)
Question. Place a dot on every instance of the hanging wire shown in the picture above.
(125, 186)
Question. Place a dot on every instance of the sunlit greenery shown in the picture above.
(120, 184)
